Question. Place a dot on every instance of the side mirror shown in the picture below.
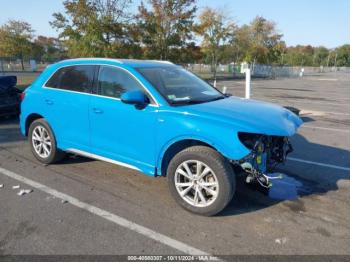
(135, 97)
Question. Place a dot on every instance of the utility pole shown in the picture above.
(247, 83)
(329, 56)
(282, 59)
(335, 60)
(313, 60)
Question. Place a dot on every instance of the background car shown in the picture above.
(9, 96)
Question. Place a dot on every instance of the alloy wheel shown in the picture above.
(196, 183)
(41, 141)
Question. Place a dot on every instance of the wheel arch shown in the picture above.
(29, 120)
(177, 145)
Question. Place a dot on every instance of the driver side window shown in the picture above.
(113, 82)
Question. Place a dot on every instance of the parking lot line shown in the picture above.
(326, 128)
(319, 164)
(325, 79)
(310, 102)
(108, 216)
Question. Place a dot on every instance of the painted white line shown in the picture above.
(326, 128)
(305, 112)
(108, 216)
(325, 79)
(319, 103)
(295, 101)
(336, 113)
(319, 164)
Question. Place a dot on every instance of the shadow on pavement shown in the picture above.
(9, 130)
(292, 187)
(248, 198)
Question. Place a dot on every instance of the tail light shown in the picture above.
(22, 95)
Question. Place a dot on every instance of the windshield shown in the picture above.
(178, 86)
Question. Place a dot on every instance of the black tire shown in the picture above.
(223, 172)
(55, 154)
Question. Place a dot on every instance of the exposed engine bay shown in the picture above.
(267, 152)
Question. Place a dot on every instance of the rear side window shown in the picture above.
(73, 78)
(114, 82)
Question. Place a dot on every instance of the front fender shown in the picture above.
(173, 128)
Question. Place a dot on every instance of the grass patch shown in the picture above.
(25, 80)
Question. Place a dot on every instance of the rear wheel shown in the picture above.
(201, 180)
(43, 143)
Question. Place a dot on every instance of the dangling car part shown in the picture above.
(266, 153)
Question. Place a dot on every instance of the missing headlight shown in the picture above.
(249, 140)
(266, 153)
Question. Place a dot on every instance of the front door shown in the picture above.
(119, 131)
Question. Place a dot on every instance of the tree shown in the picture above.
(15, 39)
(49, 49)
(189, 54)
(265, 44)
(93, 27)
(215, 30)
(278, 52)
(166, 26)
(321, 55)
(300, 55)
(343, 58)
(241, 44)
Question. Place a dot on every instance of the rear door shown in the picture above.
(120, 131)
(66, 101)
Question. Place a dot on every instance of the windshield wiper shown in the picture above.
(186, 102)
(192, 101)
(216, 98)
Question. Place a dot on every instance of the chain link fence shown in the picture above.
(263, 71)
(227, 71)
(11, 64)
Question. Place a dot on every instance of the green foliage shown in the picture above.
(299, 55)
(321, 55)
(259, 42)
(48, 49)
(15, 39)
(317, 56)
(165, 27)
(93, 28)
(160, 29)
(343, 58)
(215, 30)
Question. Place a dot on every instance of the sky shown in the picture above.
(314, 22)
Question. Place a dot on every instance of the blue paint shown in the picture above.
(139, 137)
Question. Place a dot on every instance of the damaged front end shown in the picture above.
(266, 153)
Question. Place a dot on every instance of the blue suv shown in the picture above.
(159, 119)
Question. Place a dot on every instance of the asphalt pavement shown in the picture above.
(82, 206)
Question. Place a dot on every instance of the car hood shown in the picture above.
(249, 115)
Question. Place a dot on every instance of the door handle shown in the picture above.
(48, 101)
(97, 111)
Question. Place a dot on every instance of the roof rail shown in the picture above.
(92, 58)
(163, 61)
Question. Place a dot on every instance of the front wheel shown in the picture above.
(201, 180)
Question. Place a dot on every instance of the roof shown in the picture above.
(128, 62)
